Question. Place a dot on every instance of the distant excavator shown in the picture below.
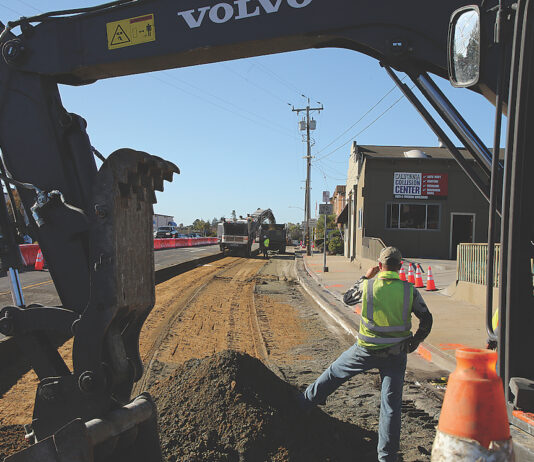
(240, 235)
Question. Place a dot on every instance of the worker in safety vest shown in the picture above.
(492, 344)
(384, 340)
(265, 246)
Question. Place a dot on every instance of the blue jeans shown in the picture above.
(392, 368)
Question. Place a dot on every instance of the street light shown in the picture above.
(325, 209)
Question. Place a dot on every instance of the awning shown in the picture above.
(343, 217)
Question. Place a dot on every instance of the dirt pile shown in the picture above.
(231, 407)
(11, 440)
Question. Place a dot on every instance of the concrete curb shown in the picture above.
(318, 281)
(343, 319)
(426, 350)
(168, 272)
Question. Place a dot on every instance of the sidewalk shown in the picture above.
(456, 324)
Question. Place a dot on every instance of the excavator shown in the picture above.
(79, 212)
(239, 236)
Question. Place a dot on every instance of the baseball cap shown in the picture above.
(390, 255)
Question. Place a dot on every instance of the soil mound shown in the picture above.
(11, 440)
(231, 407)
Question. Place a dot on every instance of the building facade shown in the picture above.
(416, 199)
(338, 199)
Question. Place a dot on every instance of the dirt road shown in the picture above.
(256, 307)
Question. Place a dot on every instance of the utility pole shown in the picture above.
(308, 158)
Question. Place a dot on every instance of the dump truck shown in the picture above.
(235, 236)
(277, 235)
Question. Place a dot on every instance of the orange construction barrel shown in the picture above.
(473, 414)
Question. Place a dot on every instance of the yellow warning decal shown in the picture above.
(132, 31)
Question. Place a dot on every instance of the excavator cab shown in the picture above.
(501, 38)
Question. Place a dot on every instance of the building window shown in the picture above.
(360, 218)
(412, 216)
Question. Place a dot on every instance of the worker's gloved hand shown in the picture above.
(350, 297)
(491, 344)
(410, 345)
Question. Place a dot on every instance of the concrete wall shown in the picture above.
(475, 294)
(375, 190)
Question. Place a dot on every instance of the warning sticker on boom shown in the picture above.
(132, 31)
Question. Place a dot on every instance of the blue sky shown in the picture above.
(230, 130)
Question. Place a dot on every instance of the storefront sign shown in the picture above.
(420, 185)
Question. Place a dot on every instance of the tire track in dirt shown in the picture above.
(218, 319)
(227, 313)
(172, 299)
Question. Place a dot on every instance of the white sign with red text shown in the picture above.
(407, 185)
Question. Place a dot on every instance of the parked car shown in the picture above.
(166, 232)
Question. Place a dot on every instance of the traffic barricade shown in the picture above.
(181, 242)
(29, 253)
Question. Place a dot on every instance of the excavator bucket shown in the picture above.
(127, 434)
(87, 415)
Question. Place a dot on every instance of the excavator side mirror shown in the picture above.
(464, 51)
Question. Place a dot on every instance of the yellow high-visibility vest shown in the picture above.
(495, 320)
(386, 311)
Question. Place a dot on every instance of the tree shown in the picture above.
(330, 224)
(295, 231)
(319, 232)
(335, 243)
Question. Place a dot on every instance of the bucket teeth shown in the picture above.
(140, 174)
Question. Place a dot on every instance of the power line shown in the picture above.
(11, 9)
(325, 171)
(254, 83)
(30, 6)
(365, 128)
(217, 105)
(360, 119)
(328, 167)
(284, 82)
(326, 175)
(229, 103)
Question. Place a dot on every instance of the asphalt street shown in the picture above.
(38, 286)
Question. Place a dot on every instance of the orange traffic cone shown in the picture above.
(39, 261)
(418, 278)
(402, 274)
(473, 424)
(430, 280)
(411, 279)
